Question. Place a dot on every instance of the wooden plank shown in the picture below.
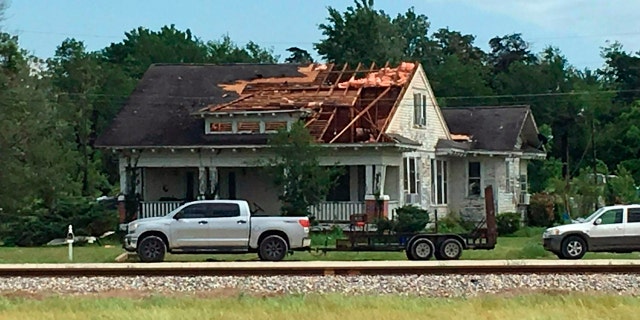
(365, 110)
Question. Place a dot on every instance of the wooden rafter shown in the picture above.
(335, 85)
(354, 74)
(314, 118)
(365, 110)
(328, 72)
(324, 130)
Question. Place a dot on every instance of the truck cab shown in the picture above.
(608, 229)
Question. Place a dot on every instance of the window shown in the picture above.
(274, 125)
(419, 109)
(411, 175)
(220, 127)
(612, 216)
(341, 190)
(222, 210)
(194, 211)
(633, 215)
(248, 126)
(474, 179)
(439, 181)
(523, 183)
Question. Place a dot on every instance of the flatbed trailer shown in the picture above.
(424, 246)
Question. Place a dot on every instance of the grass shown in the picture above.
(525, 244)
(552, 305)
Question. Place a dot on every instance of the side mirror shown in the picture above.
(177, 215)
(598, 221)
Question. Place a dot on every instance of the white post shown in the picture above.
(213, 180)
(202, 183)
(70, 242)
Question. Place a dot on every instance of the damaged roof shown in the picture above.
(492, 128)
(168, 106)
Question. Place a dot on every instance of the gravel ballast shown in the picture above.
(422, 285)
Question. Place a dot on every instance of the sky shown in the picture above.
(579, 28)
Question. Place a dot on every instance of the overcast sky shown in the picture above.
(578, 27)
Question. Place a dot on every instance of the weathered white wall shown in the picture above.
(403, 120)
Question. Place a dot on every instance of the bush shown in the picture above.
(453, 223)
(408, 219)
(36, 225)
(541, 211)
(508, 223)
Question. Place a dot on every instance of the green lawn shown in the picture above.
(551, 305)
(507, 248)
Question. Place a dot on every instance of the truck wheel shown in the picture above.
(272, 248)
(450, 249)
(573, 247)
(422, 249)
(151, 249)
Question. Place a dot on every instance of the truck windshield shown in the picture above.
(593, 215)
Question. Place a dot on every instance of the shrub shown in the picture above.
(453, 223)
(508, 223)
(36, 225)
(408, 219)
(541, 211)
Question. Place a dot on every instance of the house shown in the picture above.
(194, 131)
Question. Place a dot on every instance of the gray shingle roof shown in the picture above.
(492, 128)
(158, 112)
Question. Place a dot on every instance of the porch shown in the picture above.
(164, 189)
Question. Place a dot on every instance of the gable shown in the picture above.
(403, 119)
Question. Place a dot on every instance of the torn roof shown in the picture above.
(160, 111)
(345, 105)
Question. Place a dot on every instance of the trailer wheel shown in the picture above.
(422, 249)
(450, 249)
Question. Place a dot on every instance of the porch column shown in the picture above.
(376, 207)
(213, 182)
(122, 210)
(202, 182)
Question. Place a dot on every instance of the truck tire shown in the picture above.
(421, 249)
(449, 249)
(273, 248)
(151, 249)
(573, 247)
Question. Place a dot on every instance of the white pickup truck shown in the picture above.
(611, 229)
(216, 226)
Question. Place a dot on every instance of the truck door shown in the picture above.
(228, 227)
(191, 227)
(607, 233)
(632, 229)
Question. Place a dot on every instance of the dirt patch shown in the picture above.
(518, 292)
(221, 293)
(21, 294)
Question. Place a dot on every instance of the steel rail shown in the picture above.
(323, 268)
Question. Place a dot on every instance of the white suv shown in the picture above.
(611, 229)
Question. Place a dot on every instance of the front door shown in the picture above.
(609, 233)
(228, 228)
(191, 227)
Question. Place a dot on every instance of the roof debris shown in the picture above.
(346, 105)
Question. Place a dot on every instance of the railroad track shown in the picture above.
(322, 268)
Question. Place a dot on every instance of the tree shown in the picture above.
(360, 34)
(226, 51)
(508, 49)
(296, 171)
(299, 56)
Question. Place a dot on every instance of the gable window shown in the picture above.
(419, 109)
(220, 127)
(273, 126)
(474, 180)
(439, 181)
(248, 126)
(411, 179)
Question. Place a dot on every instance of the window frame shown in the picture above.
(439, 181)
(411, 181)
(474, 178)
(603, 222)
(419, 109)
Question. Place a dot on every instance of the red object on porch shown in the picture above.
(376, 209)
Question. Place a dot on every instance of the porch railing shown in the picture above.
(338, 211)
(150, 209)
